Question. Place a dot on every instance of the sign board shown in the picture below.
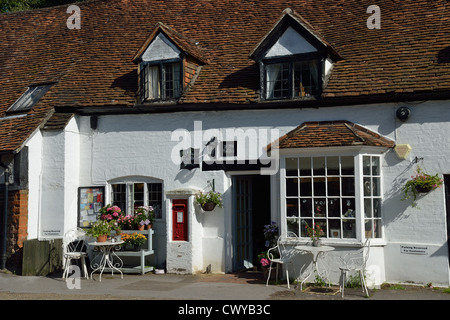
(90, 201)
(413, 249)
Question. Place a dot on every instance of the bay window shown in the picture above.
(325, 190)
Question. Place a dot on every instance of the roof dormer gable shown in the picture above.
(291, 35)
(161, 48)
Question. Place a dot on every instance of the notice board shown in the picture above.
(90, 201)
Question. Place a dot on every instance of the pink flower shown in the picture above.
(264, 262)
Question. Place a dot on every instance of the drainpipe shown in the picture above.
(3, 255)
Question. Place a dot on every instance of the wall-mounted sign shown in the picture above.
(413, 249)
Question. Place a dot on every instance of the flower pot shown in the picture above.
(141, 227)
(149, 226)
(102, 238)
(420, 189)
(273, 272)
(209, 206)
(317, 243)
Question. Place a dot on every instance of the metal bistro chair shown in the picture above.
(74, 248)
(355, 261)
(285, 257)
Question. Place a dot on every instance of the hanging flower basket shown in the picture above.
(209, 206)
(209, 200)
(420, 183)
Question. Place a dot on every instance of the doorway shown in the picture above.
(251, 211)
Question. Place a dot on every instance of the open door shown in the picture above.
(251, 211)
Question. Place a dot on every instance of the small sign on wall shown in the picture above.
(412, 249)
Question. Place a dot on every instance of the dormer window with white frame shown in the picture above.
(293, 60)
(160, 70)
(168, 63)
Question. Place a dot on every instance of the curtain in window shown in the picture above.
(152, 82)
(272, 74)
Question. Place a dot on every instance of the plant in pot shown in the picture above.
(314, 232)
(209, 200)
(110, 213)
(420, 183)
(100, 229)
(144, 217)
(135, 239)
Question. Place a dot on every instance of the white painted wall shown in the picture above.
(141, 145)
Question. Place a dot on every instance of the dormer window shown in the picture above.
(161, 81)
(168, 63)
(293, 59)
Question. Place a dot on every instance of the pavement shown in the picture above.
(249, 285)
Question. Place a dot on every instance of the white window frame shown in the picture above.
(129, 190)
(358, 153)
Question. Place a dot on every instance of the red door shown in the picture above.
(179, 220)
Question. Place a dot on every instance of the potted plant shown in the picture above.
(420, 183)
(110, 213)
(135, 239)
(144, 217)
(314, 232)
(100, 230)
(209, 200)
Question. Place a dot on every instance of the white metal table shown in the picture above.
(107, 249)
(315, 252)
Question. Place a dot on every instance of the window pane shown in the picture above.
(155, 198)
(292, 187)
(118, 196)
(348, 186)
(306, 207)
(335, 228)
(377, 208)
(305, 166)
(319, 186)
(334, 186)
(292, 167)
(368, 228)
(291, 207)
(305, 187)
(375, 166)
(368, 208)
(334, 207)
(349, 228)
(319, 166)
(277, 80)
(320, 209)
(366, 165)
(347, 166)
(152, 88)
(292, 226)
(305, 78)
(333, 166)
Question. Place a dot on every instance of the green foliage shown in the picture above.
(21, 5)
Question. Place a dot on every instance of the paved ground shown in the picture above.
(238, 286)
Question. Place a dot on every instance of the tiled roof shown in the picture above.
(332, 134)
(93, 66)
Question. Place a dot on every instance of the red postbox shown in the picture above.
(179, 220)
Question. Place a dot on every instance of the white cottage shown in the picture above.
(297, 112)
